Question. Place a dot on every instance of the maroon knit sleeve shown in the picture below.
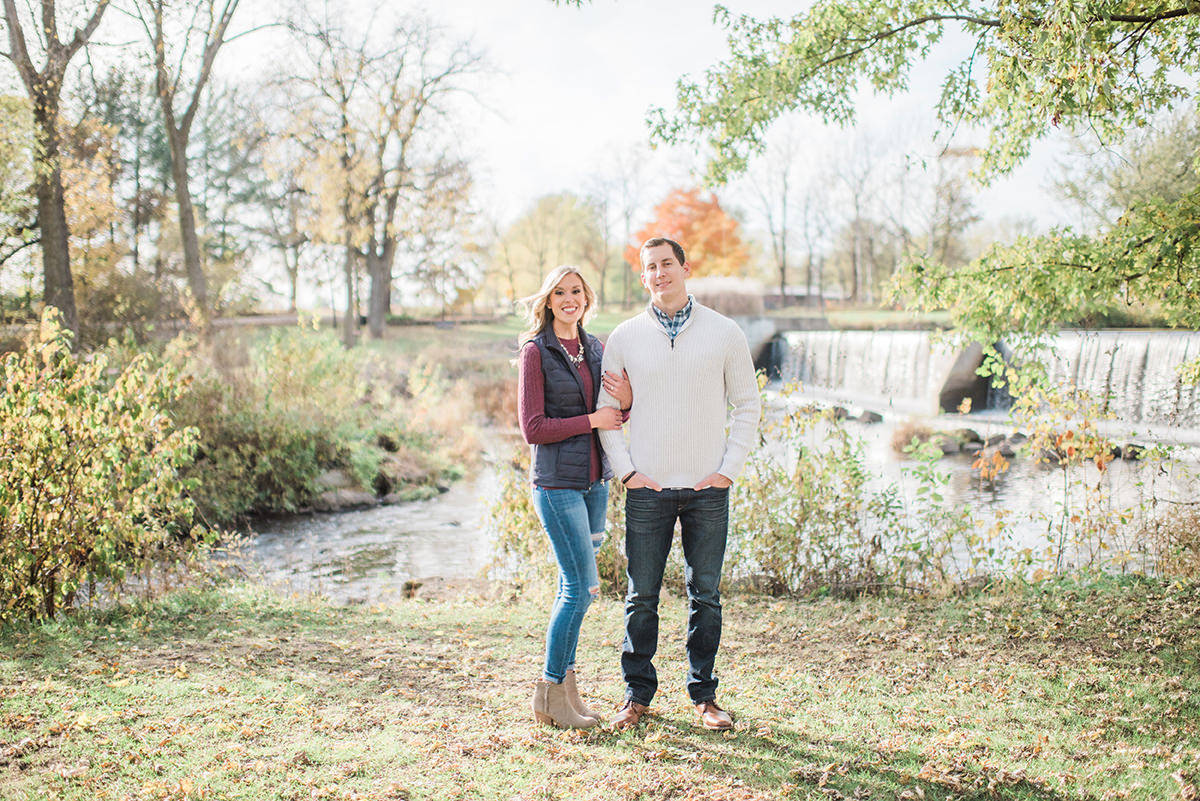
(536, 427)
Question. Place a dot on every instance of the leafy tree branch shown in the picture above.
(1026, 67)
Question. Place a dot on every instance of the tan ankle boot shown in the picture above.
(551, 707)
(576, 701)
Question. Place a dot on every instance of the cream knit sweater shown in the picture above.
(681, 428)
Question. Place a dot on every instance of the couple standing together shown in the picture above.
(681, 377)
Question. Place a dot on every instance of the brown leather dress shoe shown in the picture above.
(713, 717)
(629, 715)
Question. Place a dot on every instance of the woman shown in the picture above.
(558, 386)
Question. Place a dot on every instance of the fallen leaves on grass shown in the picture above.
(1187, 786)
(341, 706)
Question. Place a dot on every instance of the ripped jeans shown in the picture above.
(574, 520)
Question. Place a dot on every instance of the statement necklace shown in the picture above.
(577, 359)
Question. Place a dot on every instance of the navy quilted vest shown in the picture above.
(567, 464)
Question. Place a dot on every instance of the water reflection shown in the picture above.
(367, 556)
(1035, 501)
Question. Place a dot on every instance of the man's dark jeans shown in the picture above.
(649, 526)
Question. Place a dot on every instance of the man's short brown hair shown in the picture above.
(655, 241)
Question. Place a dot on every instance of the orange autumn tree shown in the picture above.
(710, 237)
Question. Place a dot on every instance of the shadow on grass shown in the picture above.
(440, 691)
(769, 760)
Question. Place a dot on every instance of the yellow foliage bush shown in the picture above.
(89, 472)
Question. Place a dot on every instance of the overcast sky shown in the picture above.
(572, 87)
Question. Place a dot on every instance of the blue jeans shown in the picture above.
(574, 520)
(649, 526)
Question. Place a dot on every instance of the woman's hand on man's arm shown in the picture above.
(606, 418)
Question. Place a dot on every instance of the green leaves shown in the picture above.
(88, 472)
(1146, 260)
(1025, 66)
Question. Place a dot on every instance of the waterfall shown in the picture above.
(1132, 373)
(903, 370)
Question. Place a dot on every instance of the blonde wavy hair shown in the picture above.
(538, 315)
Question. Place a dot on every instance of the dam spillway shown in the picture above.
(1131, 375)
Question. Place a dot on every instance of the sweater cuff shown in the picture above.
(621, 467)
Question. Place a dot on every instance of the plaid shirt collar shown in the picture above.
(674, 324)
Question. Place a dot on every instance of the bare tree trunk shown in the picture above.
(59, 286)
(379, 299)
(48, 597)
(821, 283)
(291, 251)
(197, 282)
(350, 321)
(179, 127)
(856, 266)
(380, 253)
(137, 202)
(291, 263)
(44, 87)
(160, 264)
(602, 266)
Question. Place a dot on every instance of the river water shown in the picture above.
(369, 555)
(1129, 380)
(1037, 501)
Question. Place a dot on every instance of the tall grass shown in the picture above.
(276, 412)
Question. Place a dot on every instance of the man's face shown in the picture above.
(663, 276)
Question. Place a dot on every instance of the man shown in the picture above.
(687, 366)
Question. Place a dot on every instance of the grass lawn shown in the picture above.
(1058, 692)
(485, 348)
(870, 318)
(487, 344)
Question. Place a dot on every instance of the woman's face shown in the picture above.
(567, 300)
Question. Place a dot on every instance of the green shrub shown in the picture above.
(802, 518)
(521, 550)
(266, 422)
(276, 413)
(111, 297)
(90, 466)
(936, 545)
(1092, 529)
(809, 516)
(253, 461)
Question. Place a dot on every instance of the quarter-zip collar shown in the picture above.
(673, 325)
